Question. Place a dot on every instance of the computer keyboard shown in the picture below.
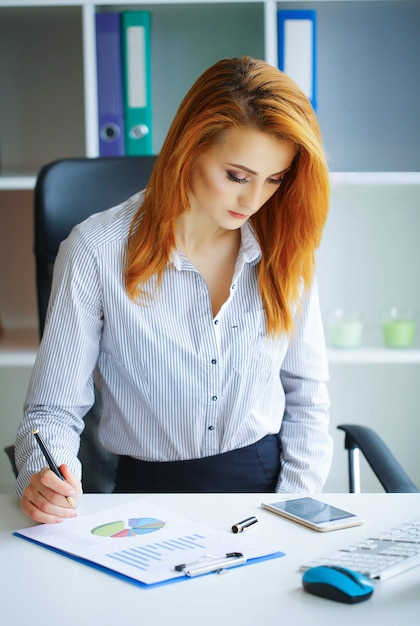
(381, 556)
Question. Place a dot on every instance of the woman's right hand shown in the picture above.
(49, 500)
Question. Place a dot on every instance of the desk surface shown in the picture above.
(38, 586)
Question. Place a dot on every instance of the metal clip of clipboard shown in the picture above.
(210, 563)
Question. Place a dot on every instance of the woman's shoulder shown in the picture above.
(110, 225)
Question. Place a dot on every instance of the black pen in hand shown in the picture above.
(52, 464)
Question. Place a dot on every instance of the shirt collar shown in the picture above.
(249, 251)
(250, 248)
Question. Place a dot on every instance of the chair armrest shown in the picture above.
(388, 470)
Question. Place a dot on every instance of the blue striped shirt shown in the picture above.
(176, 382)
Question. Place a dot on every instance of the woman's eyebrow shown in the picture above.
(247, 169)
(243, 167)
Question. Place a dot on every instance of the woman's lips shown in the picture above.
(238, 216)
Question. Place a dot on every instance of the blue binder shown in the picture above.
(297, 49)
(135, 27)
(110, 84)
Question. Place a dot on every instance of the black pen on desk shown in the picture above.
(52, 464)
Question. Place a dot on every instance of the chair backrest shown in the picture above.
(70, 190)
(67, 192)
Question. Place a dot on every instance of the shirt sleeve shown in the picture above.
(305, 441)
(61, 389)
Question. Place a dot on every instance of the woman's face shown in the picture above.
(231, 181)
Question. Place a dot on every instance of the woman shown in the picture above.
(194, 308)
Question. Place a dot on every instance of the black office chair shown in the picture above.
(67, 192)
(387, 469)
(10, 451)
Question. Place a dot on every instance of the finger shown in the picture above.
(72, 480)
(57, 499)
(43, 503)
(54, 484)
(36, 514)
(38, 508)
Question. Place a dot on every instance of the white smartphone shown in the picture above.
(314, 514)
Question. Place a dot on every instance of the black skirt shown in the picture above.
(253, 469)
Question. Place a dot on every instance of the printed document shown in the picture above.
(143, 542)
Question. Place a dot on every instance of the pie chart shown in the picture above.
(136, 526)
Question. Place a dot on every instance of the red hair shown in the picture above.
(240, 92)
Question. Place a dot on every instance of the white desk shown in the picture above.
(38, 586)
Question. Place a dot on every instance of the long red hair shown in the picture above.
(240, 92)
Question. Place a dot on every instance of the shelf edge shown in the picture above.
(375, 178)
(374, 356)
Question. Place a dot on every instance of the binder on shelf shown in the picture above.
(297, 49)
(110, 84)
(135, 29)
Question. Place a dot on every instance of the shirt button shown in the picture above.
(216, 321)
(214, 361)
(214, 398)
(211, 427)
(233, 286)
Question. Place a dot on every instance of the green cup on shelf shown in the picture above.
(345, 329)
(399, 329)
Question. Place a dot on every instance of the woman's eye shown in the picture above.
(238, 179)
(276, 181)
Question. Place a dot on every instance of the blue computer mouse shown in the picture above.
(337, 583)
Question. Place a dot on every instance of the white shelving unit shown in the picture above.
(19, 348)
(49, 111)
(370, 185)
(17, 182)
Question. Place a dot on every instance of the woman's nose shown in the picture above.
(252, 198)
